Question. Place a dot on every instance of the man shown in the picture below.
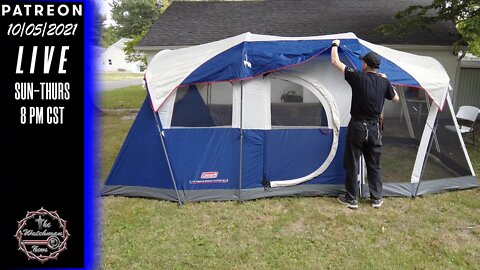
(369, 91)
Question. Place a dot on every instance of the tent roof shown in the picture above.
(198, 22)
(248, 55)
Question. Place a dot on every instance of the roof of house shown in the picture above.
(120, 44)
(98, 50)
(198, 22)
(470, 61)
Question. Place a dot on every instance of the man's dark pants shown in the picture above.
(363, 136)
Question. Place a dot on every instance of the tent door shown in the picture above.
(304, 130)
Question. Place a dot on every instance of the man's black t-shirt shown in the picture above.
(369, 92)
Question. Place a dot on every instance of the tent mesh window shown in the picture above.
(208, 105)
(446, 158)
(294, 106)
(402, 131)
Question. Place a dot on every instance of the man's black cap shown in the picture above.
(371, 59)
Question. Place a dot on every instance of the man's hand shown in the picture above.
(336, 42)
(396, 98)
(382, 75)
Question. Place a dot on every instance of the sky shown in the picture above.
(104, 6)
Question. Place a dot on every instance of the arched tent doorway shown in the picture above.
(291, 137)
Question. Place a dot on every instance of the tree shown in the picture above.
(133, 18)
(109, 36)
(97, 31)
(464, 14)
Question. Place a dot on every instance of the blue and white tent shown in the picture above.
(258, 116)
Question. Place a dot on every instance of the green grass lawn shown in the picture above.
(439, 231)
(130, 97)
(119, 76)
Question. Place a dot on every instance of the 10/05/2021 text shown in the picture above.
(42, 29)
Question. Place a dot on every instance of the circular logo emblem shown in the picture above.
(42, 235)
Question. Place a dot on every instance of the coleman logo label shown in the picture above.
(209, 175)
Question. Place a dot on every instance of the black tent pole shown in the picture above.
(166, 156)
(170, 167)
(241, 144)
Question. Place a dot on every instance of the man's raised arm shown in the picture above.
(335, 59)
(396, 98)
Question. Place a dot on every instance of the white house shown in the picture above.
(113, 59)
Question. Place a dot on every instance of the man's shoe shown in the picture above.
(352, 204)
(377, 203)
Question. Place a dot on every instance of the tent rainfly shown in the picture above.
(255, 116)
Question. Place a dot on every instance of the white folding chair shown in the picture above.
(466, 118)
